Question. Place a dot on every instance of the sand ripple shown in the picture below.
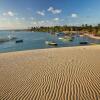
(53, 74)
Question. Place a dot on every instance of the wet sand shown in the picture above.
(71, 73)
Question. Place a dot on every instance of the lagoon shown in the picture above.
(36, 40)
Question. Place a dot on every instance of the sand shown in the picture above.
(71, 73)
(93, 37)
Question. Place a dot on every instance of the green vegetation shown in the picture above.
(95, 30)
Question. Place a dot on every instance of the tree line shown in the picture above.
(82, 29)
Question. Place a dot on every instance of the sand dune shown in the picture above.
(51, 74)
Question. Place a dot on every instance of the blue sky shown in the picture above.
(26, 13)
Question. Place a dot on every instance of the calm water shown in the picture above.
(36, 40)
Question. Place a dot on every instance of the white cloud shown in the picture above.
(50, 8)
(56, 19)
(42, 13)
(9, 13)
(54, 11)
(52, 22)
(74, 15)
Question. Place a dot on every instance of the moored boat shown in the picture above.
(66, 38)
(84, 42)
(60, 34)
(51, 43)
(6, 39)
(19, 41)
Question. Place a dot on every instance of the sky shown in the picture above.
(19, 14)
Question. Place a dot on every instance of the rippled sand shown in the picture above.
(51, 74)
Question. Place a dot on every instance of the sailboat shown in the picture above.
(7, 38)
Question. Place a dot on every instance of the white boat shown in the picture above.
(51, 43)
(60, 38)
(11, 37)
(66, 38)
(8, 38)
(60, 34)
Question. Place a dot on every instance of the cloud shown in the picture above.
(46, 23)
(54, 11)
(42, 13)
(74, 15)
(9, 13)
(56, 19)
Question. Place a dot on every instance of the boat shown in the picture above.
(60, 38)
(11, 37)
(51, 43)
(66, 38)
(85, 42)
(60, 34)
(70, 39)
(6, 39)
(19, 41)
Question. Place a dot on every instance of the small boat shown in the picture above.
(73, 37)
(60, 38)
(51, 43)
(70, 39)
(19, 41)
(6, 39)
(11, 37)
(60, 34)
(66, 39)
(85, 42)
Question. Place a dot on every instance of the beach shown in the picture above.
(92, 36)
(68, 73)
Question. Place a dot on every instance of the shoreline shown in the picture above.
(87, 34)
(36, 50)
(92, 36)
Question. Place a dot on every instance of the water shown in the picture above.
(36, 40)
